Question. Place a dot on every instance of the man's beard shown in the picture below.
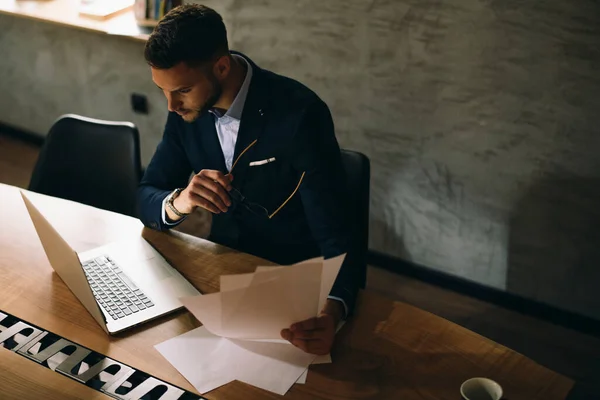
(217, 90)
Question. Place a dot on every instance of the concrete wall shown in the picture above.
(479, 117)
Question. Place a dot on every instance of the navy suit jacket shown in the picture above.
(293, 125)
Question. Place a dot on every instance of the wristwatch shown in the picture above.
(170, 204)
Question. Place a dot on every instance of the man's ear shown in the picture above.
(222, 67)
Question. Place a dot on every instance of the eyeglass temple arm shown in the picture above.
(286, 200)
(242, 153)
(289, 198)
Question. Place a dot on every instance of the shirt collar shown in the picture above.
(236, 108)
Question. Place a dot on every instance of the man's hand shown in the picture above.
(315, 335)
(207, 189)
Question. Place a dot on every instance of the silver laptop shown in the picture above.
(121, 284)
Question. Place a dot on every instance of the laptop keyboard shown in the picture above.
(113, 290)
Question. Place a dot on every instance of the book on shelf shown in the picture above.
(139, 9)
(153, 10)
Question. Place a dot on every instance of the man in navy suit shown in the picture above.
(263, 154)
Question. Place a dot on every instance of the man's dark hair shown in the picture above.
(190, 33)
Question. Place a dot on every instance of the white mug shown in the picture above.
(481, 389)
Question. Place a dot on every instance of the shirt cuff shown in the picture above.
(343, 302)
(163, 214)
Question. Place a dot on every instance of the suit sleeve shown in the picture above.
(323, 190)
(169, 169)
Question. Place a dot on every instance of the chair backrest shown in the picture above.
(358, 180)
(90, 161)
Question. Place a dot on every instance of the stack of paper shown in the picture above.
(241, 338)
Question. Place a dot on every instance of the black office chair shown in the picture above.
(90, 161)
(358, 177)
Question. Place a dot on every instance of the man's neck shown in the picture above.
(232, 84)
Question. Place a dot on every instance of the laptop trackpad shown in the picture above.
(157, 269)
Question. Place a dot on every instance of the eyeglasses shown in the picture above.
(252, 207)
(240, 199)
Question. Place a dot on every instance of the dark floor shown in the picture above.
(568, 352)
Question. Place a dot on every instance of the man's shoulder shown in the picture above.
(290, 93)
(284, 92)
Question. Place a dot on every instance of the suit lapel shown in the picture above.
(252, 123)
(210, 143)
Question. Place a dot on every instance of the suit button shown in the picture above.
(154, 225)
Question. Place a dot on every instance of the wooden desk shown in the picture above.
(66, 13)
(389, 350)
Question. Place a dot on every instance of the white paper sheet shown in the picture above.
(331, 267)
(208, 361)
(330, 270)
(324, 359)
(240, 281)
(241, 338)
(302, 379)
(275, 299)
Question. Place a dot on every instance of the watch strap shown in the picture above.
(171, 206)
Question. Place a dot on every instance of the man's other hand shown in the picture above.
(315, 335)
(207, 189)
